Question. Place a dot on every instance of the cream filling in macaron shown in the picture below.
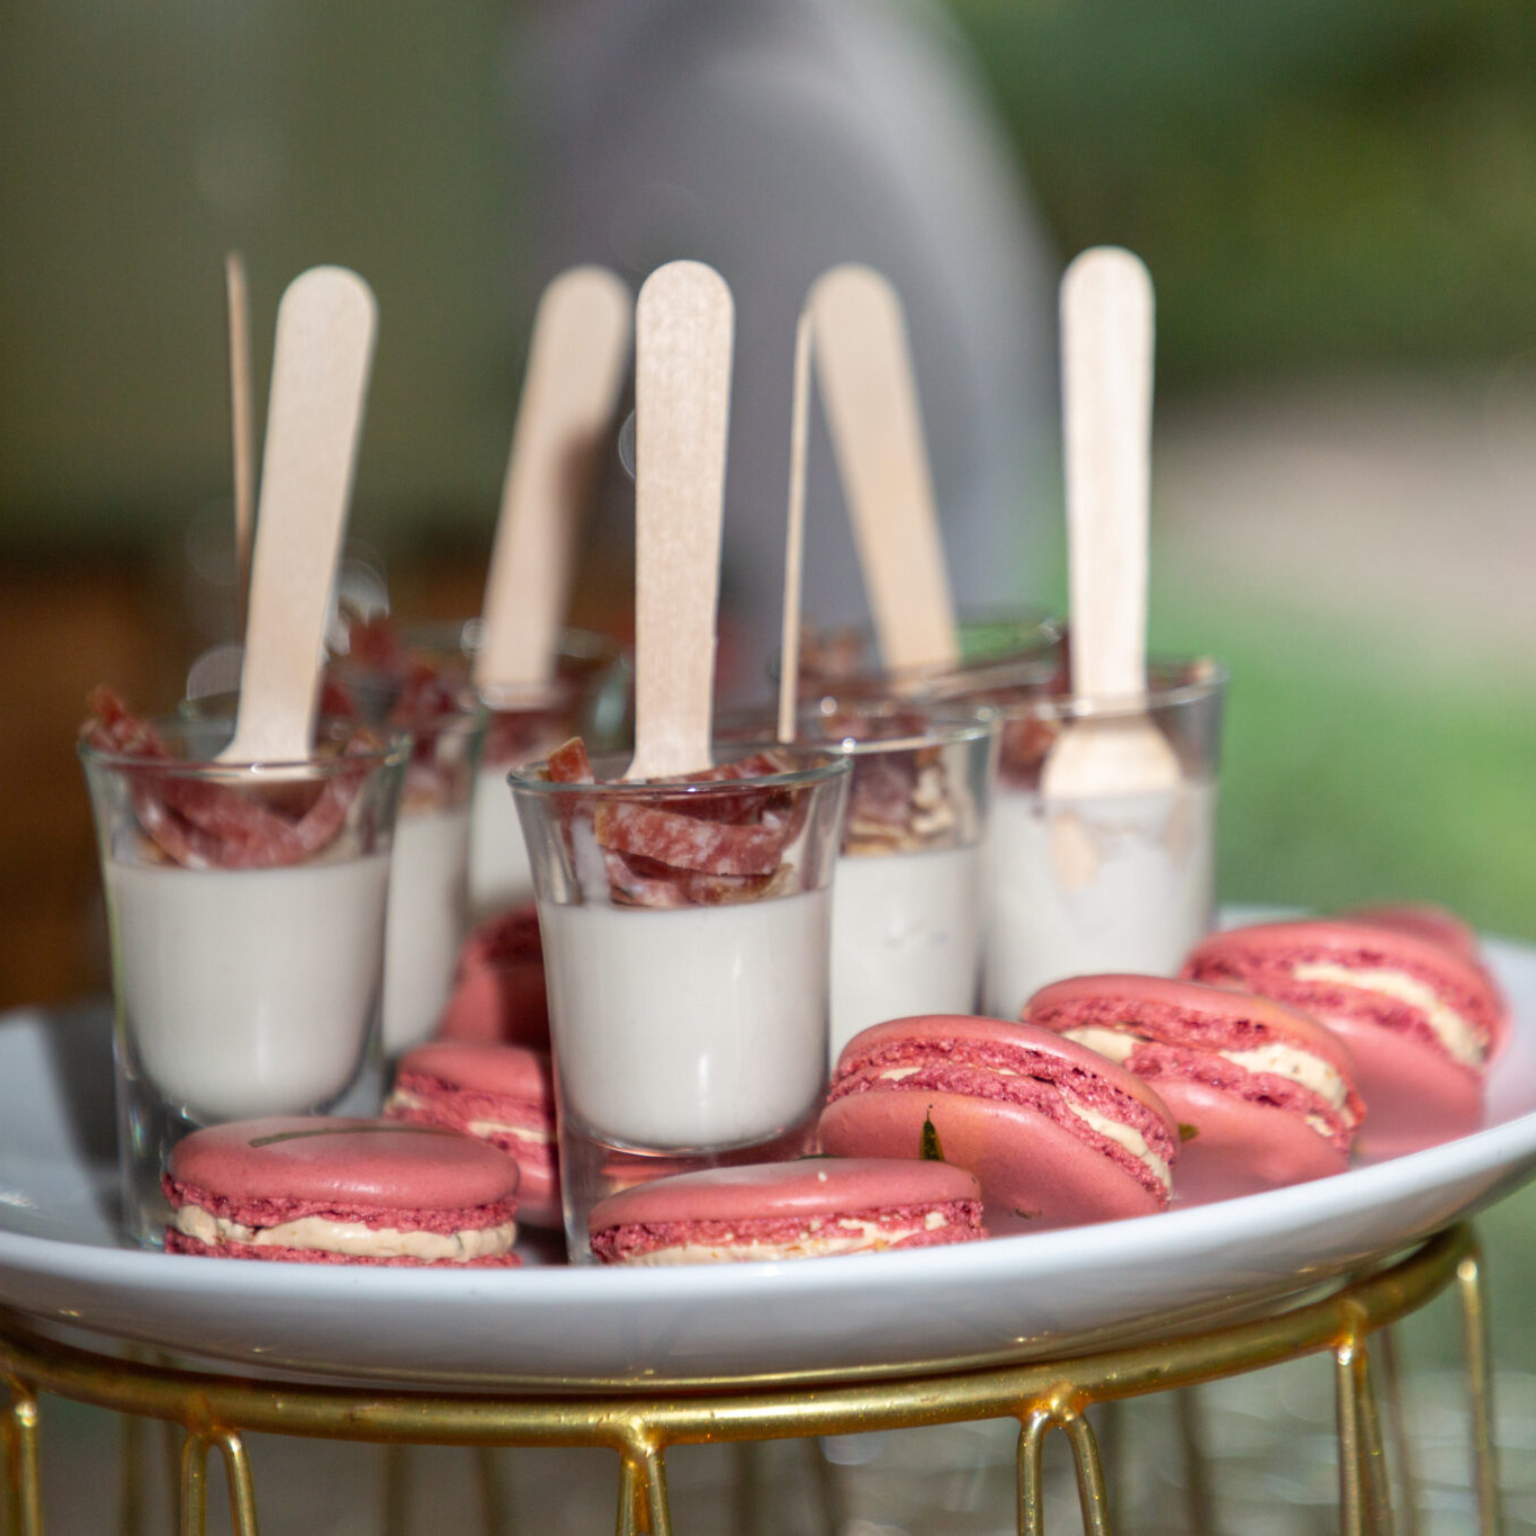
(1311, 1072)
(402, 1099)
(1123, 1135)
(855, 1236)
(1453, 1031)
(1115, 1044)
(317, 1234)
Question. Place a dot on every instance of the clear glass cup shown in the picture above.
(1117, 883)
(429, 867)
(907, 901)
(591, 696)
(246, 904)
(686, 929)
(997, 646)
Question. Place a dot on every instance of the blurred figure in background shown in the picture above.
(775, 139)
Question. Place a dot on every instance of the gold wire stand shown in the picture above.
(214, 1410)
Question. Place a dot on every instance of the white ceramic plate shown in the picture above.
(62, 1258)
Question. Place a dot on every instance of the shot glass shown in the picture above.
(1107, 883)
(907, 901)
(997, 647)
(246, 906)
(687, 930)
(590, 695)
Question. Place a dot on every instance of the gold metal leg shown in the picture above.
(24, 1483)
(1364, 1506)
(1197, 1483)
(130, 1474)
(1032, 1433)
(242, 1490)
(632, 1516)
(194, 1485)
(1485, 1463)
(396, 1490)
(1091, 1492)
(1384, 1352)
(493, 1494)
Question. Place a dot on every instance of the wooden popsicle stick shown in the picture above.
(794, 538)
(864, 371)
(683, 335)
(242, 434)
(325, 331)
(580, 345)
(1106, 337)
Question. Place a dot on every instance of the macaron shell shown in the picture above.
(499, 1004)
(506, 1070)
(1414, 1097)
(1008, 1033)
(1421, 920)
(1034, 1175)
(808, 1187)
(1347, 942)
(1067, 1005)
(1241, 1148)
(348, 1162)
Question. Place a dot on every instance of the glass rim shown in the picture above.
(1046, 624)
(394, 750)
(955, 723)
(573, 641)
(832, 765)
(1212, 682)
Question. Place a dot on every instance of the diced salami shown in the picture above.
(687, 842)
(569, 763)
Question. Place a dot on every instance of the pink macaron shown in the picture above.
(318, 1190)
(503, 1094)
(1421, 1022)
(813, 1207)
(1263, 1095)
(1057, 1135)
(1421, 920)
(499, 996)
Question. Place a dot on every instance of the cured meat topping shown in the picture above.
(200, 824)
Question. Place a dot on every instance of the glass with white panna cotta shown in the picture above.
(1101, 883)
(907, 900)
(246, 906)
(588, 696)
(686, 928)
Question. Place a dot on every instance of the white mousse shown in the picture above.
(906, 937)
(500, 874)
(1138, 892)
(249, 992)
(689, 1027)
(428, 917)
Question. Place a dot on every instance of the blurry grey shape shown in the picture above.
(216, 671)
(775, 140)
(627, 445)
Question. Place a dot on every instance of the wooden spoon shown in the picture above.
(575, 368)
(794, 537)
(683, 336)
(325, 330)
(864, 369)
(1106, 338)
(242, 435)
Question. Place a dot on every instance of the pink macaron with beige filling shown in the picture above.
(1420, 1021)
(501, 1094)
(1057, 1135)
(1263, 1095)
(321, 1190)
(811, 1207)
